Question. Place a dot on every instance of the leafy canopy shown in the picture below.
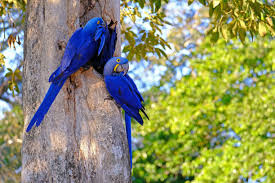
(234, 18)
(215, 125)
(10, 145)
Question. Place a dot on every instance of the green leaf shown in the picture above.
(216, 3)
(141, 3)
(17, 73)
(9, 73)
(242, 24)
(190, 2)
(214, 37)
(158, 52)
(262, 29)
(225, 33)
(202, 2)
(158, 5)
(126, 48)
(143, 37)
(2, 61)
(211, 9)
(161, 52)
(234, 29)
(242, 35)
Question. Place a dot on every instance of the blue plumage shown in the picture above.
(81, 48)
(129, 135)
(108, 49)
(124, 91)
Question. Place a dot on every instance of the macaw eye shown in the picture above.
(98, 22)
(118, 60)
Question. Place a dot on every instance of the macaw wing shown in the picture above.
(71, 49)
(109, 47)
(111, 44)
(132, 83)
(79, 59)
(107, 51)
(124, 95)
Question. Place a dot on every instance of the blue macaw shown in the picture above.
(124, 91)
(84, 46)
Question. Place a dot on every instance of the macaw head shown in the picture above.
(116, 65)
(93, 25)
(96, 27)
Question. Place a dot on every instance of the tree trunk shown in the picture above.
(82, 138)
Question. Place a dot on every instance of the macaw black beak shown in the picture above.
(125, 68)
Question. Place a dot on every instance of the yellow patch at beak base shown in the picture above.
(116, 67)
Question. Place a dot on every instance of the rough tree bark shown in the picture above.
(82, 138)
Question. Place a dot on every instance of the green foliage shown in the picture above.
(188, 136)
(155, 5)
(215, 125)
(2, 61)
(7, 5)
(14, 77)
(232, 19)
(10, 145)
(11, 25)
(146, 39)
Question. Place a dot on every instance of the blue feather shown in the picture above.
(109, 47)
(128, 132)
(124, 91)
(98, 33)
(80, 49)
(134, 86)
(54, 75)
(102, 42)
(71, 48)
(46, 104)
(107, 51)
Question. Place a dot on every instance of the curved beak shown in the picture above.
(125, 68)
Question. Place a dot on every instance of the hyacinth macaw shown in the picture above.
(124, 91)
(84, 46)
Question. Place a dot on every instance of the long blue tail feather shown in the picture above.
(134, 113)
(55, 75)
(128, 131)
(46, 104)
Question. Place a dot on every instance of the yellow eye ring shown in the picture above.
(98, 21)
(118, 60)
